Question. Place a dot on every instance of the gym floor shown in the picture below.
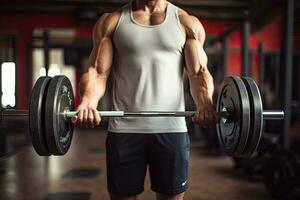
(80, 175)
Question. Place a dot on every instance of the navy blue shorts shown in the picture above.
(165, 154)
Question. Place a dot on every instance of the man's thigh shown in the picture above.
(126, 164)
(168, 163)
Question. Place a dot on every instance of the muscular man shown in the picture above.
(146, 45)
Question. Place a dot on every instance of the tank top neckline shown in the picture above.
(150, 26)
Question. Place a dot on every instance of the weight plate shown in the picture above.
(233, 133)
(280, 174)
(59, 129)
(256, 114)
(36, 116)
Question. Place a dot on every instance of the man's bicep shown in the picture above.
(97, 30)
(101, 57)
(195, 56)
(102, 53)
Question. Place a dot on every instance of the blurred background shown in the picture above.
(257, 38)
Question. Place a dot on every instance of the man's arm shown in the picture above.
(93, 82)
(201, 81)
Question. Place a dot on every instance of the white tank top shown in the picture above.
(148, 73)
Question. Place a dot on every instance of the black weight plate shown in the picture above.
(256, 113)
(59, 129)
(36, 116)
(279, 173)
(233, 134)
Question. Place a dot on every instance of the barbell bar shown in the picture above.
(267, 114)
(11, 114)
(52, 105)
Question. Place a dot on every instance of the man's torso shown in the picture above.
(148, 71)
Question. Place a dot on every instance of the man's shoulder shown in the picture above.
(182, 12)
(114, 16)
(188, 20)
(107, 22)
(190, 23)
(110, 18)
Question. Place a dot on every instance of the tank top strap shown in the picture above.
(172, 9)
(126, 11)
(172, 16)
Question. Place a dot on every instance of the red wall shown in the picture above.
(270, 35)
(24, 24)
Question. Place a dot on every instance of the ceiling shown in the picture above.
(259, 11)
(213, 9)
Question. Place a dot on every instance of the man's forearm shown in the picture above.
(92, 87)
(201, 88)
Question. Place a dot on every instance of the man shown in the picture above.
(146, 45)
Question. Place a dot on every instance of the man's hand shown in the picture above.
(206, 116)
(87, 116)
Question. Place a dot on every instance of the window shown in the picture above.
(8, 84)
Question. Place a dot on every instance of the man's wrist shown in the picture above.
(88, 102)
(205, 103)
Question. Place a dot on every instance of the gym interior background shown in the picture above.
(255, 38)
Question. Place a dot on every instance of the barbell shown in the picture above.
(52, 106)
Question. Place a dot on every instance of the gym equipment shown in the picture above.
(52, 105)
(252, 166)
(36, 116)
(281, 172)
(59, 129)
